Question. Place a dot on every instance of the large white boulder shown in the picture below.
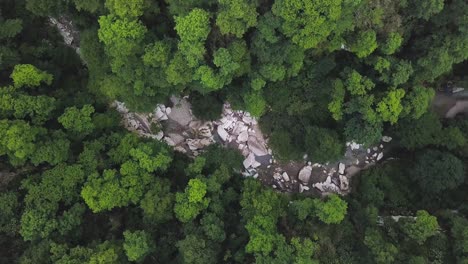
(305, 173)
(341, 168)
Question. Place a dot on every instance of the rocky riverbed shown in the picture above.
(175, 124)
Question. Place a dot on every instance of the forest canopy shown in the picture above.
(77, 187)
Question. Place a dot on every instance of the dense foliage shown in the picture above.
(75, 187)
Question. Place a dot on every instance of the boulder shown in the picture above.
(243, 136)
(256, 147)
(285, 176)
(386, 139)
(304, 174)
(249, 161)
(180, 112)
(222, 133)
(341, 168)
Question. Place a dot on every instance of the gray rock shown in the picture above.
(180, 112)
(243, 136)
(257, 147)
(222, 133)
(249, 161)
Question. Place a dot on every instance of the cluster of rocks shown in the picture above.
(282, 181)
(238, 129)
(174, 125)
(338, 175)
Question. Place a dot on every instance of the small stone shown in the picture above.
(386, 139)
(269, 166)
(168, 110)
(381, 146)
(255, 176)
(274, 186)
(276, 176)
(305, 156)
(375, 149)
(309, 163)
(380, 156)
(160, 135)
(368, 151)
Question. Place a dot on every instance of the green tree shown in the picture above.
(196, 250)
(425, 9)
(423, 227)
(78, 121)
(52, 203)
(137, 245)
(364, 43)
(26, 75)
(191, 202)
(359, 130)
(307, 23)
(255, 104)
(417, 101)
(390, 107)
(126, 9)
(323, 144)
(357, 84)
(158, 202)
(392, 43)
(18, 141)
(193, 29)
(236, 17)
(437, 171)
(383, 252)
(332, 211)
